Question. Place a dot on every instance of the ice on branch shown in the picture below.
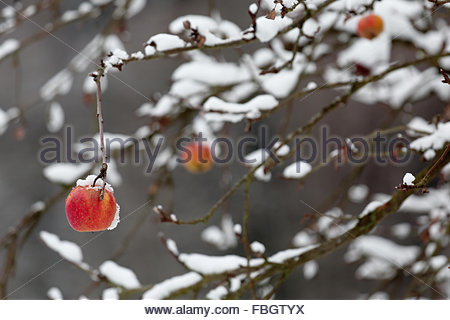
(369, 208)
(383, 256)
(215, 31)
(66, 249)
(60, 84)
(311, 85)
(330, 226)
(199, 124)
(379, 295)
(70, 15)
(113, 142)
(54, 294)
(310, 27)
(222, 237)
(434, 263)
(408, 179)
(297, 170)
(192, 92)
(248, 109)
(401, 230)
(269, 4)
(209, 265)
(263, 57)
(165, 106)
(115, 60)
(432, 201)
(8, 46)
(267, 29)
(163, 42)
(283, 149)
(89, 53)
(257, 247)
(90, 87)
(398, 87)
(100, 2)
(8, 12)
(256, 158)
(310, 269)
(218, 110)
(165, 288)
(328, 220)
(172, 246)
(85, 7)
(446, 171)
(304, 238)
(65, 173)
(55, 117)
(358, 193)
(119, 275)
(435, 141)
(221, 291)
(215, 264)
(420, 126)
(212, 73)
(37, 206)
(217, 293)
(111, 294)
(429, 154)
(4, 120)
(280, 84)
(134, 7)
(284, 255)
(112, 42)
(137, 55)
(369, 53)
(253, 8)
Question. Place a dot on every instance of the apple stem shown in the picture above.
(96, 77)
(101, 175)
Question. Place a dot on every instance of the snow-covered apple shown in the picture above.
(370, 26)
(86, 212)
(196, 157)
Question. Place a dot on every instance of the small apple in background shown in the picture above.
(370, 26)
(196, 157)
(86, 212)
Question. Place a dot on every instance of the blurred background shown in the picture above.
(276, 213)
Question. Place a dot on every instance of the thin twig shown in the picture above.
(244, 237)
(104, 166)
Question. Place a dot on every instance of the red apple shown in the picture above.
(198, 157)
(370, 26)
(86, 212)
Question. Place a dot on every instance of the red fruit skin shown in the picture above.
(370, 26)
(200, 160)
(86, 212)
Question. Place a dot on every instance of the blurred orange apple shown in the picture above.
(370, 26)
(196, 157)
